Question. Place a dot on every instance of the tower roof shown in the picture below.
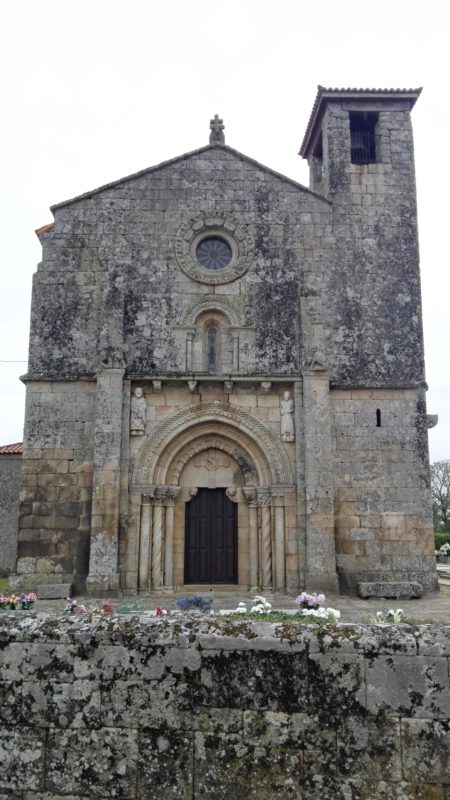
(325, 95)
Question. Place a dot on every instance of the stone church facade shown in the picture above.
(226, 372)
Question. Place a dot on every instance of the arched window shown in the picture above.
(211, 337)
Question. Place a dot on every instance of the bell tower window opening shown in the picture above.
(362, 137)
(211, 338)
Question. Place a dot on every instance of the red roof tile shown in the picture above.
(45, 228)
(12, 449)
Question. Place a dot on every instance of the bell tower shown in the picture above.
(353, 134)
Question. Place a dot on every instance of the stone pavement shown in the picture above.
(433, 607)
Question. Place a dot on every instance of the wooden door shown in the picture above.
(211, 538)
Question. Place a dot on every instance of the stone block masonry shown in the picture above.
(287, 380)
(182, 707)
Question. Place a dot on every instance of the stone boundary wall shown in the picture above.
(182, 707)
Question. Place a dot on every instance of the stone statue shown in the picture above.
(137, 422)
(217, 131)
(287, 418)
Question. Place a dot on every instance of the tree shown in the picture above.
(440, 490)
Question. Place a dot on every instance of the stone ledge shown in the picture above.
(398, 589)
(54, 591)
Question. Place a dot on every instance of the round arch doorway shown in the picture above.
(211, 552)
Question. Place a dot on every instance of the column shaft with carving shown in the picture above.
(280, 547)
(145, 544)
(266, 537)
(158, 514)
(172, 494)
(253, 536)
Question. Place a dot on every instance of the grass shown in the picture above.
(276, 616)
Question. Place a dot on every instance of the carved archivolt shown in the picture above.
(261, 439)
(207, 443)
(211, 302)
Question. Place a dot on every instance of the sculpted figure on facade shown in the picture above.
(287, 418)
(314, 360)
(137, 421)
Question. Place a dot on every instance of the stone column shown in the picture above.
(169, 501)
(280, 546)
(235, 336)
(250, 494)
(263, 499)
(103, 575)
(157, 549)
(320, 573)
(145, 544)
(189, 341)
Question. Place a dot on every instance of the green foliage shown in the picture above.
(441, 538)
(440, 491)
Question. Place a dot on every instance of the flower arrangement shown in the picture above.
(321, 613)
(391, 617)
(311, 607)
(259, 606)
(305, 600)
(72, 607)
(444, 550)
(21, 602)
(104, 607)
(195, 603)
(158, 612)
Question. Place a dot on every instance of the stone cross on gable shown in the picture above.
(217, 135)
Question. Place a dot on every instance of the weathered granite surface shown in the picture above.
(10, 466)
(319, 308)
(195, 708)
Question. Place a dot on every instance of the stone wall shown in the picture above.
(9, 510)
(382, 502)
(56, 494)
(184, 708)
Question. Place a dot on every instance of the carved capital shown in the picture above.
(232, 494)
(192, 385)
(263, 497)
(251, 496)
(157, 386)
(192, 493)
(147, 499)
(172, 495)
(160, 495)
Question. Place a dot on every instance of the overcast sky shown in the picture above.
(94, 90)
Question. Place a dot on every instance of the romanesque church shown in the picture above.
(226, 374)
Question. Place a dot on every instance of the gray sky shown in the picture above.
(93, 90)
